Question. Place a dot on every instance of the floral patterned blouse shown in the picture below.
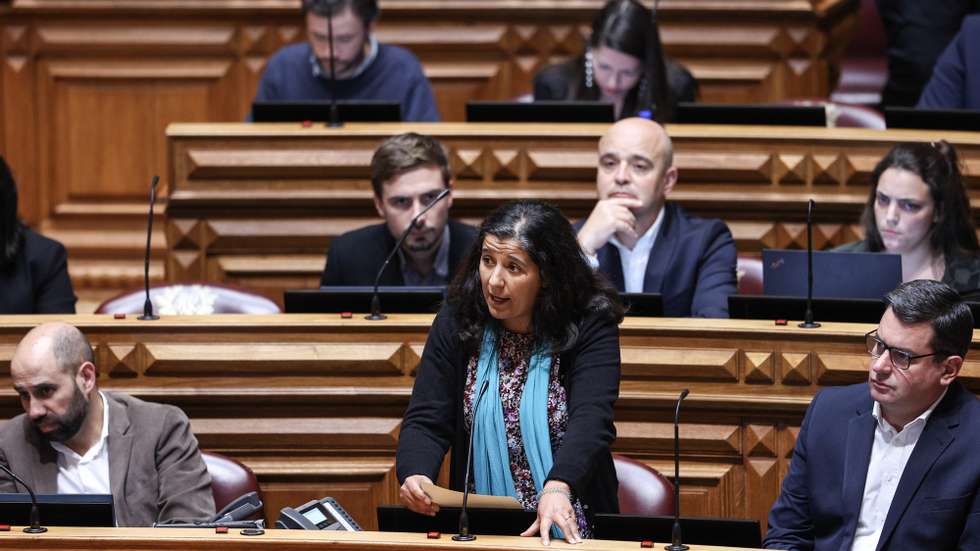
(515, 359)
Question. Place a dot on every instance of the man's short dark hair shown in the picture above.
(365, 10)
(926, 300)
(71, 349)
(406, 152)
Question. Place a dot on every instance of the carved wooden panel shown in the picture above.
(258, 205)
(313, 403)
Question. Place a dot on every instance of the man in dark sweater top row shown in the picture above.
(365, 68)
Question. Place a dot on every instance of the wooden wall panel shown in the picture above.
(313, 403)
(86, 88)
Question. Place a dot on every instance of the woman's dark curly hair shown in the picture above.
(11, 228)
(570, 289)
(952, 232)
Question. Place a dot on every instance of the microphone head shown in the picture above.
(154, 181)
(684, 394)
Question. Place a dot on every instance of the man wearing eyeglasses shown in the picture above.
(893, 463)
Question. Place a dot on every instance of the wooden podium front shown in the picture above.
(189, 539)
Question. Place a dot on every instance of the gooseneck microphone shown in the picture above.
(35, 527)
(376, 314)
(675, 536)
(148, 305)
(464, 519)
(808, 322)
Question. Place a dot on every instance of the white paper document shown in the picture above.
(452, 498)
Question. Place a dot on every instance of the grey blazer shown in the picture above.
(155, 469)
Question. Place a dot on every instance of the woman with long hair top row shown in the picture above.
(528, 320)
(33, 269)
(918, 207)
(624, 64)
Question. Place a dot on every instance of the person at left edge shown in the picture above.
(408, 171)
(527, 317)
(76, 439)
(33, 268)
(366, 69)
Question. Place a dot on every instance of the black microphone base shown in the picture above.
(375, 317)
(676, 547)
(148, 317)
(464, 537)
(809, 324)
(35, 529)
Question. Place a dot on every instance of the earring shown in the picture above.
(588, 67)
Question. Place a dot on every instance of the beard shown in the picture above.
(67, 425)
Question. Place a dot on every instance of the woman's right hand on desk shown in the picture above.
(415, 498)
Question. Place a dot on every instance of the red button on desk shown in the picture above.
(433, 535)
(4, 527)
(221, 530)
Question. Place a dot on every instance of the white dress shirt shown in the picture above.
(889, 454)
(89, 473)
(635, 260)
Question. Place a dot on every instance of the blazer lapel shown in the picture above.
(660, 255)
(120, 450)
(857, 456)
(611, 265)
(937, 435)
(43, 475)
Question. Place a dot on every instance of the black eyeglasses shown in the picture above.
(899, 358)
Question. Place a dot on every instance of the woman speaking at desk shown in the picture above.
(918, 208)
(527, 319)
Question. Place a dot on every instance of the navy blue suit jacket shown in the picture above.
(355, 257)
(935, 506)
(692, 265)
(955, 82)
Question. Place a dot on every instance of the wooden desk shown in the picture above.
(313, 403)
(87, 88)
(187, 539)
(257, 205)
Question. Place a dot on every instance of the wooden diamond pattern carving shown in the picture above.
(758, 367)
(467, 163)
(505, 164)
(16, 39)
(274, 359)
(787, 438)
(761, 483)
(288, 35)
(760, 440)
(795, 369)
(790, 169)
(780, 42)
(121, 360)
(679, 364)
(827, 170)
(253, 39)
(182, 233)
(840, 369)
(411, 357)
(185, 265)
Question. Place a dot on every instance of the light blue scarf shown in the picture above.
(491, 460)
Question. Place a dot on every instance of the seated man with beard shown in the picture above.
(408, 172)
(75, 439)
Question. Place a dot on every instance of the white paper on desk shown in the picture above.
(452, 498)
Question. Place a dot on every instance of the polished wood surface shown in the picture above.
(257, 205)
(187, 539)
(87, 88)
(313, 403)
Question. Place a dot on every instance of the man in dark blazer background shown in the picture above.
(891, 464)
(645, 244)
(408, 172)
(74, 439)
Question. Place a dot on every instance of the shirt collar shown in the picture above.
(440, 269)
(95, 450)
(920, 420)
(320, 72)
